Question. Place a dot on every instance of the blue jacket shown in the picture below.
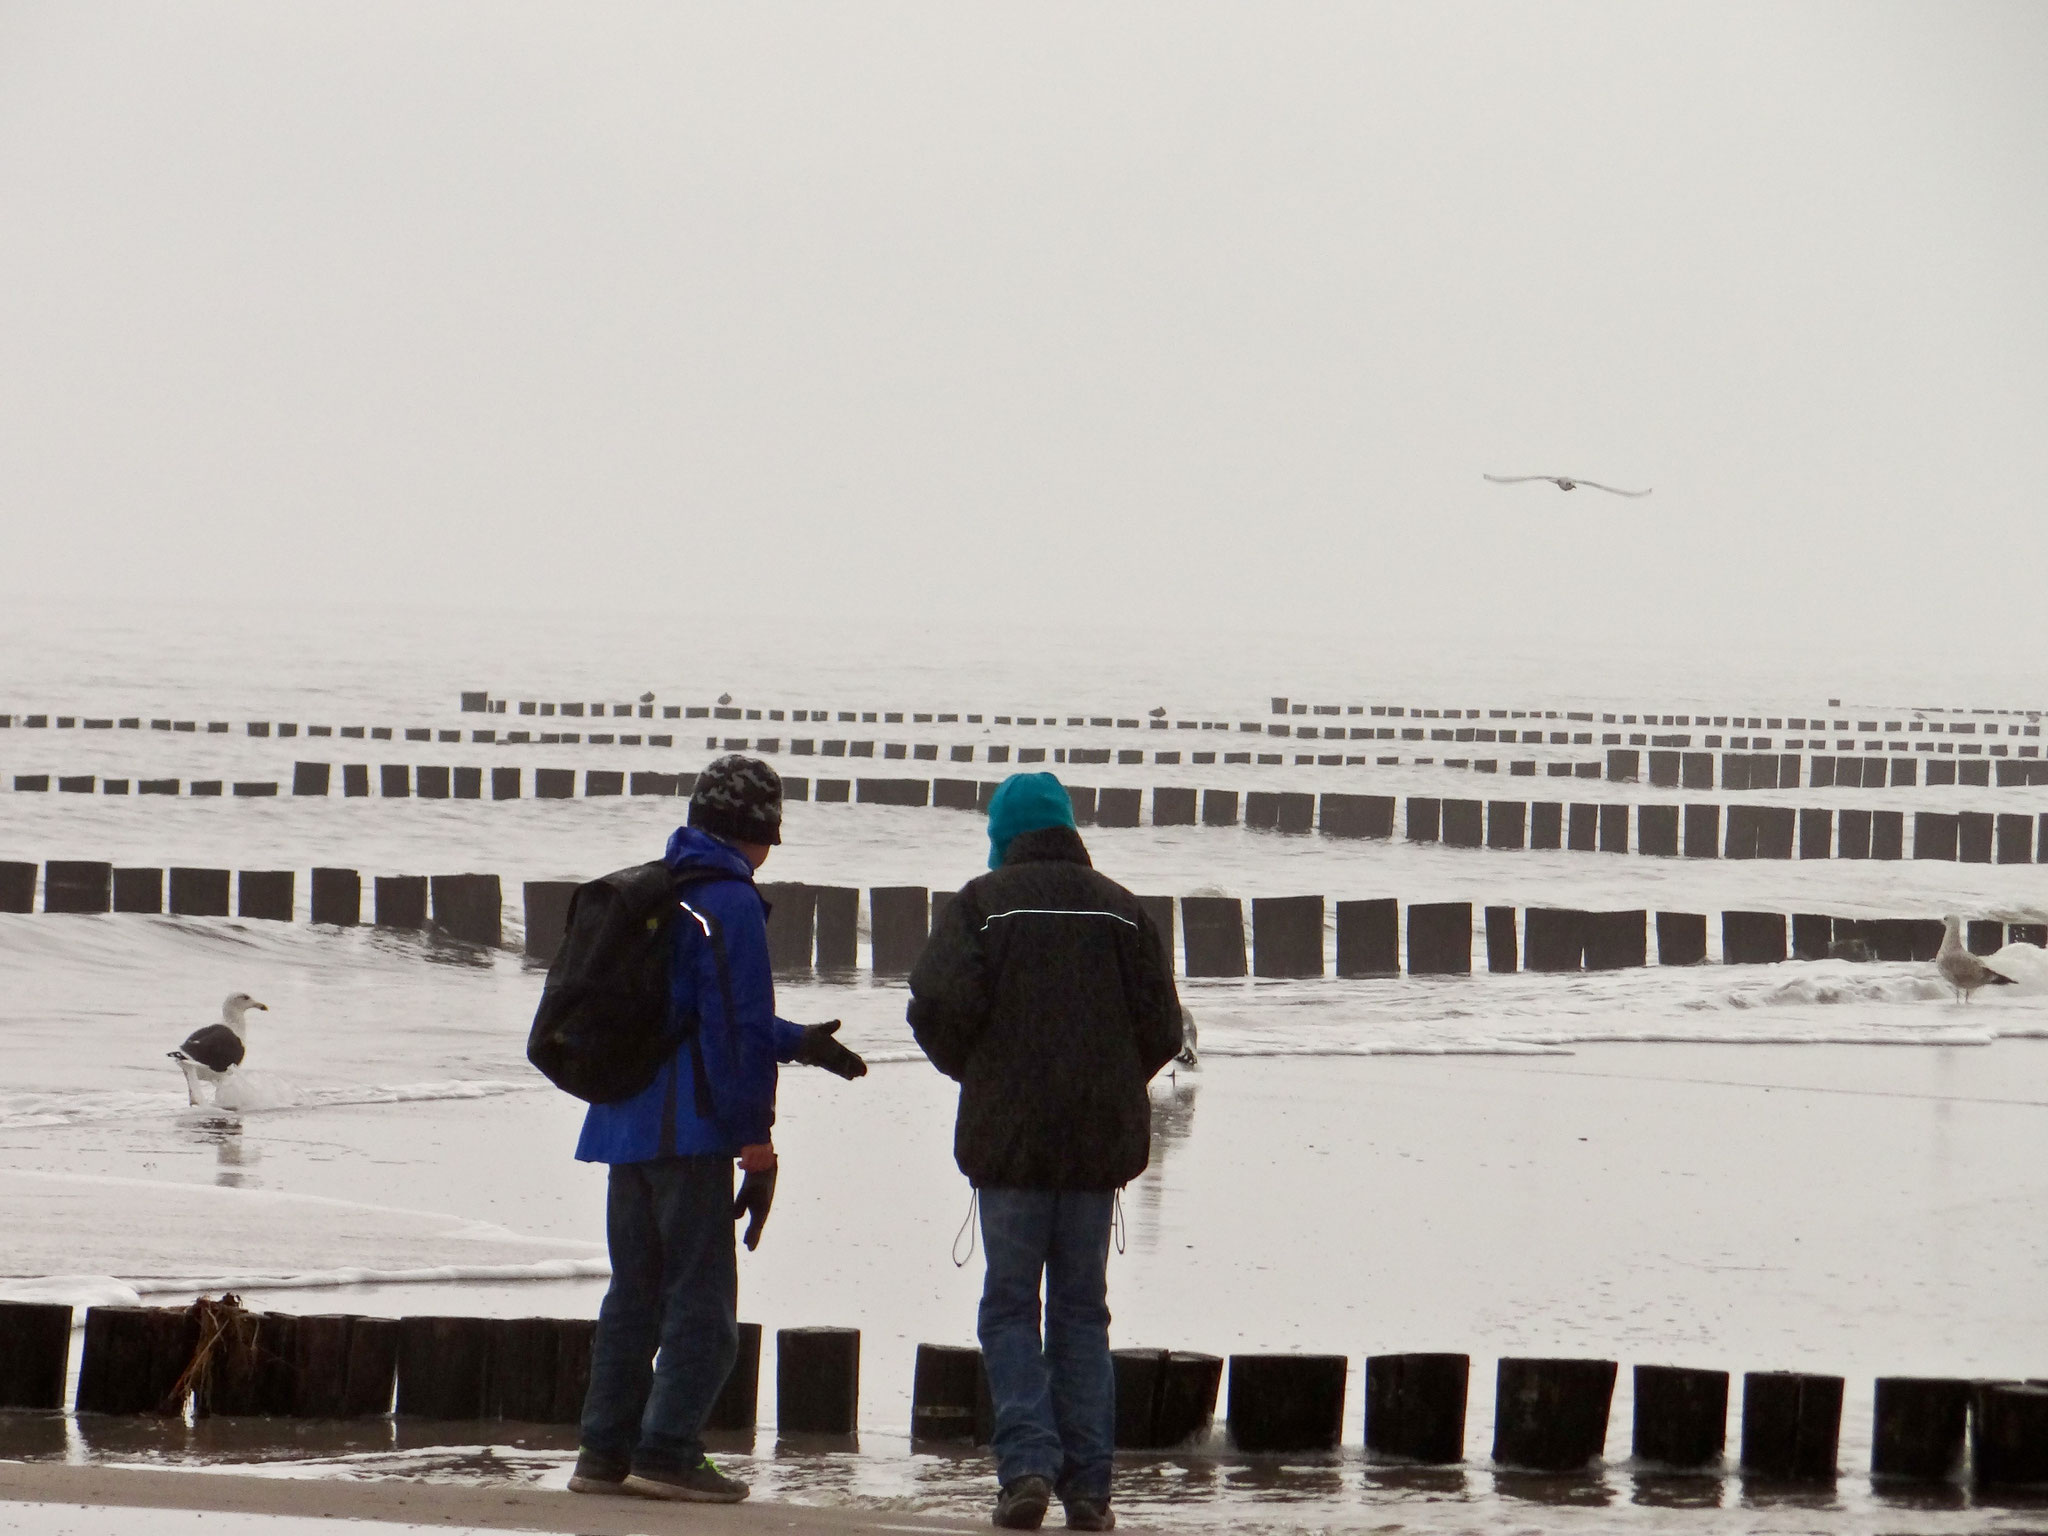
(739, 1050)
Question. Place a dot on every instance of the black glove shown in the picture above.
(819, 1049)
(757, 1193)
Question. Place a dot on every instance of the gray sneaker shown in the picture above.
(1021, 1504)
(598, 1473)
(701, 1484)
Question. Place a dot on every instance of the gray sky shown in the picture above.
(1055, 310)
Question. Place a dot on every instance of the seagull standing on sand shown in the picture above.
(1566, 483)
(1962, 970)
(210, 1054)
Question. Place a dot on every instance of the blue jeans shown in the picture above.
(675, 1286)
(1055, 1397)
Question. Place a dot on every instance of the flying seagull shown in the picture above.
(1565, 483)
(1963, 971)
(210, 1054)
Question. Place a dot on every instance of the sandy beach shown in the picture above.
(1836, 1209)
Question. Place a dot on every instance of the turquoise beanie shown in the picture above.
(1025, 802)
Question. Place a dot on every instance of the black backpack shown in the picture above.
(602, 1030)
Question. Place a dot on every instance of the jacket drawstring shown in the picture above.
(967, 1230)
(1119, 1229)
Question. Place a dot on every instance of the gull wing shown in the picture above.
(216, 1046)
(1613, 489)
(1516, 479)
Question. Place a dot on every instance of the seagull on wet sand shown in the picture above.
(1963, 971)
(1566, 483)
(210, 1054)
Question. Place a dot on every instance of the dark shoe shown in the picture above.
(598, 1473)
(1090, 1515)
(1021, 1504)
(701, 1484)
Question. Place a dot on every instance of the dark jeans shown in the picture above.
(675, 1285)
(1055, 1396)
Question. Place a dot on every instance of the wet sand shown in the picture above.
(31, 1500)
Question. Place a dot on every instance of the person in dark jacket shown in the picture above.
(667, 1332)
(1046, 992)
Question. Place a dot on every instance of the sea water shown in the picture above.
(1719, 1165)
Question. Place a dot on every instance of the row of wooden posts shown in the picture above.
(1549, 1414)
(1667, 770)
(814, 928)
(1427, 729)
(468, 908)
(481, 702)
(1448, 725)
(1660, 830)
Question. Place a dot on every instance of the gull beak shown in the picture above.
(264, 1006)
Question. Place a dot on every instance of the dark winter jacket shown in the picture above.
(721, 953)
(1045, 991)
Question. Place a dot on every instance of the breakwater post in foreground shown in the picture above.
(1919, 1428)
(35, 1350)
(1164, 1397)
(1287, 1402)
(2009, 1434)
(817, 1381)
(1415, 1406)
(949, 1398)
(1551, 1415)
(1681, 1416)
(1791, 1425)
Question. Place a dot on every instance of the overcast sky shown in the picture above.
(1039, 310)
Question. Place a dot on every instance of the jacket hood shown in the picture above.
(692, 848)
(1061, 844)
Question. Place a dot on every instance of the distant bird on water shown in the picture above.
(1963, 971)
(1565, 483)
(725, 698)
(209, 1054)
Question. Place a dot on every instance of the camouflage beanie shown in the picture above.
(739, 799)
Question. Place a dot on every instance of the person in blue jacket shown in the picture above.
(667, 1332)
